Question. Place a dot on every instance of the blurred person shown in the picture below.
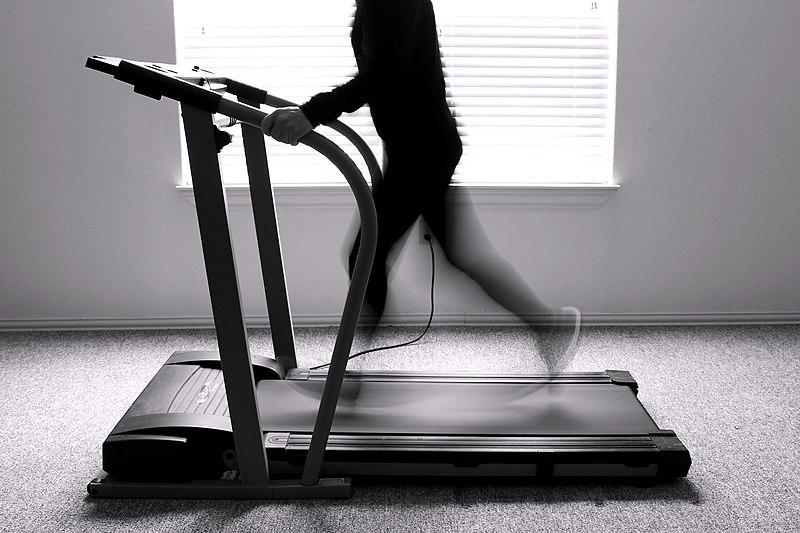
(400, 77)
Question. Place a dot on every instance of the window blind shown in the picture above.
(531, 83)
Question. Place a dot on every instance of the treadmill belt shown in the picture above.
(457, 408)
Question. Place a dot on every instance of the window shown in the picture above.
(531, 82)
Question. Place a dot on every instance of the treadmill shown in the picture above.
(231, 424)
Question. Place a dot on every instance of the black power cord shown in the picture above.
(427, 326)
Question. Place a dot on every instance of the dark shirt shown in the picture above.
(400, 76)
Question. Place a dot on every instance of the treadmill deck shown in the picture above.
(589, 424)
(486, 409)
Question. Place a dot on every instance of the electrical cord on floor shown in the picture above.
(427, 326)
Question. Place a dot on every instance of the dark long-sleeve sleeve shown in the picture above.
(383, 39)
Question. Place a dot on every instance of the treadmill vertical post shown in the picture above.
(269, 244)
(223, 286)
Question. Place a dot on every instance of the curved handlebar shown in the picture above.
(375, 173)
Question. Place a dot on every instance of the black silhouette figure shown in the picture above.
(400, 77)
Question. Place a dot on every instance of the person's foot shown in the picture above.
(558, 341)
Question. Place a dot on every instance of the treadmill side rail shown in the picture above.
(104, 486)
(617, 377)
(675, 458)
(632, 456)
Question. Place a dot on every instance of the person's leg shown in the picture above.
(451, 216)
(467, 246)
(453, 220)
(397, 209)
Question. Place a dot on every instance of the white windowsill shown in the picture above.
(509, 196)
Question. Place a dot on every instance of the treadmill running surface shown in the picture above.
(403, 408)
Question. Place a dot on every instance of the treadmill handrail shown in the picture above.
(160, 79)
(260, 95)
(156, 81)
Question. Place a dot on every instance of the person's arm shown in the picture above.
(387, 27)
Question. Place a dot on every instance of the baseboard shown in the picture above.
(452, 319)
(600, 319)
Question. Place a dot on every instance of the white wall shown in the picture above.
(705, 226)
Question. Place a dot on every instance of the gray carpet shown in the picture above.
(730, 393)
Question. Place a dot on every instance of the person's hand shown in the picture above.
(286, 125)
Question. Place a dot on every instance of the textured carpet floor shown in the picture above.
(730, 393)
